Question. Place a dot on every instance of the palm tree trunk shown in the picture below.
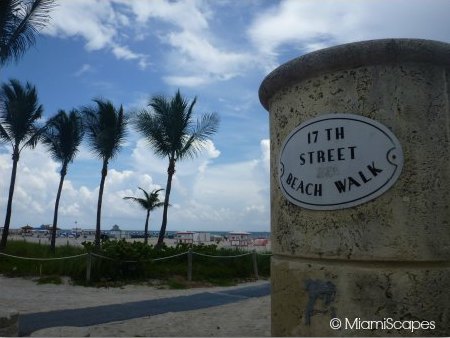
(15, 158)
(55, 214)
(170, 172)
(99, 204)
(146, 227)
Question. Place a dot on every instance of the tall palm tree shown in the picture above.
(106, 130)
(171, 132)
(62, 136)
(19, 111)
(149, 203)
(20, 21)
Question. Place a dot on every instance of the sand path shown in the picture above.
(249, 317)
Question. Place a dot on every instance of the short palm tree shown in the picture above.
(62, 136)
(149, 203)
(19, 112)
(20, 21)
(171, 132)
(106, 130)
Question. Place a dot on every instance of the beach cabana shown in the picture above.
(186, 237)
(115, 231)
(27, 229)
(260, 242)
(202, 237)
(239, 238)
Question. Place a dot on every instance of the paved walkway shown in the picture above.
(31, 322)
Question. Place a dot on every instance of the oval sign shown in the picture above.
(337, 161)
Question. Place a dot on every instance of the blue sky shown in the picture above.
(220, 51)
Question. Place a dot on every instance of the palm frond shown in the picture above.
(105, 128)
(159, 205)
(151, 127)
(147, 196)
(141, 201)
(20, 21)
(169, 128)
(35, 135)
(19, 112)
(205, 128)
(63, 135)
(151, 200)
(4, 135)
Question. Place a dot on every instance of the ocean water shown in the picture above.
(170, 234)
(260, 234)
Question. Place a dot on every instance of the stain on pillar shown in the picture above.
(319, 290)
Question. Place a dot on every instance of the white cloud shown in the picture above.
(97, 22)
(186, 14)
(198, 48)
(309, 25)
(85, 18)
(85, 68)
(201, 61)
(265, 150)
(36, 187)
(84, 153)
(144, 160)
(209, 195)
(191, 40)
(124, 53)
(205, 195)
(200, 51)
(238, 194)
(111, 24)
(186, 81)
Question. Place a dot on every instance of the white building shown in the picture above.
(239, 238)
(186, 237)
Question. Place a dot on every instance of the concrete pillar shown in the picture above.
(387, 259)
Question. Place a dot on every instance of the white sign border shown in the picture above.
(348, 204)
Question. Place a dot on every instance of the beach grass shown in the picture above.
(19, 267)
(133, 262)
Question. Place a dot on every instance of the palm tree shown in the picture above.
(171, 132)
(62, 136)
(19, 112)
(20, 21)
(106, 131)
(149, 203)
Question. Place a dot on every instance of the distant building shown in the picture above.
(115, 228)
(202, 237)
(26, 230)
(116, 232)
(191, 237)
(239, 238)
(186, 237)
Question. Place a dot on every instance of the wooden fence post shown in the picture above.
(88, 267)
(255, 264)
(189, 272)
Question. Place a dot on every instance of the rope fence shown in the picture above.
(189, 254)
(204, 255)
(42, 259)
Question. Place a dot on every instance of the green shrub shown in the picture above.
(119, 261)
(74, 268)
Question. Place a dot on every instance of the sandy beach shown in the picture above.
(45, 240)
(246, 318)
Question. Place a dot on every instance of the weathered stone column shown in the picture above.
(384, 259)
